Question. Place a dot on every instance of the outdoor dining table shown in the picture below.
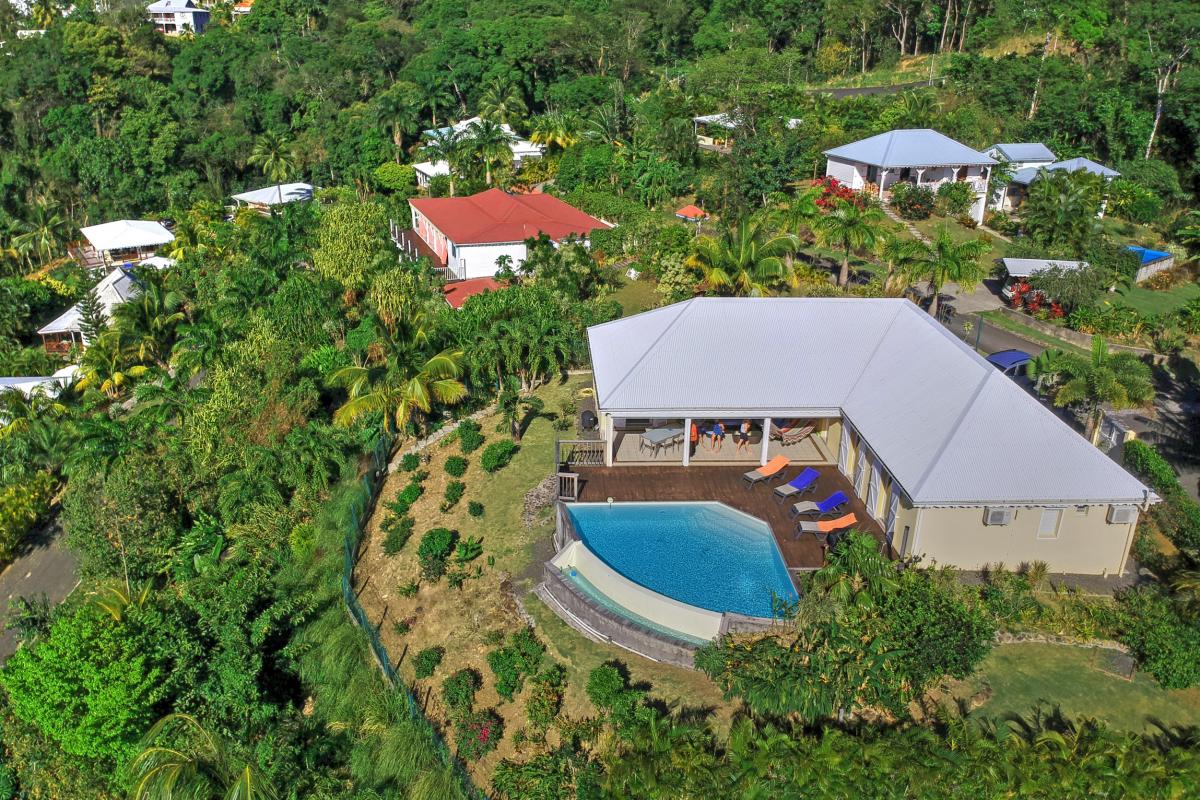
(657, 438)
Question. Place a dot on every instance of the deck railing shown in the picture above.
(579, 452)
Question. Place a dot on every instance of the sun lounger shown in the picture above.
(830, 505)
(804, 482)
(769, 470)
(826, 526)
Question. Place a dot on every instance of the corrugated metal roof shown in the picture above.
(1023, 151)
(1029, 174)
(277, 195)
(945, 423)
(126, 233)
(1024, 267)
(910, 147)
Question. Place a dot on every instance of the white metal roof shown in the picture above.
(722, 119)
(113, 289)
(126, 233)
(1024, 267)
(1029, 174)
(1021, 152)
(940, 418)
(51, 385)
(910, 147)
(176, 7)
(270, 195)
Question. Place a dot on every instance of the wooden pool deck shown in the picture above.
(724, 484)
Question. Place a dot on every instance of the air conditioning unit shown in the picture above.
(1122, 515)
(997, 516)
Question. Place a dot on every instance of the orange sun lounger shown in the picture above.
(772, 468)
(827, 525)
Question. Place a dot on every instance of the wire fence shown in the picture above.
(360, 512)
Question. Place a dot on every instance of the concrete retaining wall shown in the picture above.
(611, 627)
(1083, 340)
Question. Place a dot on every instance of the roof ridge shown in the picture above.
(867, 361)
(650, 346)
(952, 430)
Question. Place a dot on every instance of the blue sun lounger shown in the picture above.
(830, 505)
(806, 481)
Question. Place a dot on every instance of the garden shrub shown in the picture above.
(912, 202)
(1145, 462)
(475, 508)
(470, 437)
(477, 734)
(427, 661)
(1164, 643)
(469, 550)
(609, 690)
(512, 663)
(1178, 515)
(410, 461)
(456, 466)
(454, 493)
(934, 630)
(434, 552)
(458, 691)
(545, 698)
(497, 455)
(22, 505)
(408, 495)
(397, 531)
(955, 199)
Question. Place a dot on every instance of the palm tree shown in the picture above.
(435, 93)
(147, 322)
(1062, 208)
(1120, 380)
(42, 233)
(916, 109)
(397, 109)
(398, 393)
(501, 102)
(746, 260)
(198, 768)
(108, 366)
(855, 573)
(847, 226)
(445, 145)
(44, 13)
(898, 254)
(558, 128)
(490, 143)
(945, 261)
(20, 411)
(274, 156)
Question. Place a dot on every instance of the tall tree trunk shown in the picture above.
(1158, 109)
(844, 274)
(945, 24)
(933, 303)
(966, 19)
(1037, 86)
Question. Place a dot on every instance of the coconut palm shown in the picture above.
(947, 261)
(848, 226)
(898, 254)
(490, 142)
(1119, 380)
(108, 366)
(274, 157)
(20, 411)
(557, 128)
(398, 392)
(398, 110)
(501, 102)
(43, 233)
(1062, 208)
(195, 766)
(745, 260)
(147, 322)
(445, 145)
(916, 109)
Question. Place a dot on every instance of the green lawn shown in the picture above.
(999, 320)
(1021, 676)
(1130, 232)
(1150, 302)
(636, 296)
(960, 233)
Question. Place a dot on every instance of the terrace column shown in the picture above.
(766, 440)
(608, 441)
(920, 172)
(687, 440)
(882, 180)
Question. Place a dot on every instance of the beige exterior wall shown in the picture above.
(1085, 542)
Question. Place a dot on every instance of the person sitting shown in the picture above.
(741, 437)
(717, 435)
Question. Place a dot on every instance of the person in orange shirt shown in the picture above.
(694, 434)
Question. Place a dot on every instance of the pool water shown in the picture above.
(585, 586)
(704, 554)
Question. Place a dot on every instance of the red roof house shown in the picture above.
(458, 292)
(465, 235)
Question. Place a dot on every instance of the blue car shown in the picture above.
(1010, 362)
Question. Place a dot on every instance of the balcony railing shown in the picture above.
(579, 453)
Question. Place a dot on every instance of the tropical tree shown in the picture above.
(43, 233)
(446, 145)
(855, 574)
(945, 261)
(398, 109)
(398, 392)
(147, 322)
(501, 102)
(20, 411)
(846, 227)
(898, 254)
(1119, 380)
(490, 143)
(745, 260)
(558, 128)
(44, 13)
(799, 213)
(195, 765)
(109, 366)
(1062, 209)
(274, 157)
(514, 407)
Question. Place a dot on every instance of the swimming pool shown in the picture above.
(706, 555)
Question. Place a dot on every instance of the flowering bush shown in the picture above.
(913, 202)
(833, 190)
(477, 734)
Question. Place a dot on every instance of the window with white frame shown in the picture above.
(1048, 524)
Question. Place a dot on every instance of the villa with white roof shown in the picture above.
(264, 199)
(177, 17)
(117, 287)
(940, 454)
(122, 241)
(522, 149)
(920, 156)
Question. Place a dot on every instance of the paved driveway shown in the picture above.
(45, 566)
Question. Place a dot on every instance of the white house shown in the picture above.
(466, 235)
(1017, 156)
(49, 386)
(715, 131)
(117, 287)
(1022, 178)
(124, 240)
(920, 156)
(522, 149)
(176, 17)
(262, 200)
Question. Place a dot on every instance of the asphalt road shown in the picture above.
(45, 566)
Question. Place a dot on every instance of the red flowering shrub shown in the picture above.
(477, 734)
(833, 190)
(1056, 310)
